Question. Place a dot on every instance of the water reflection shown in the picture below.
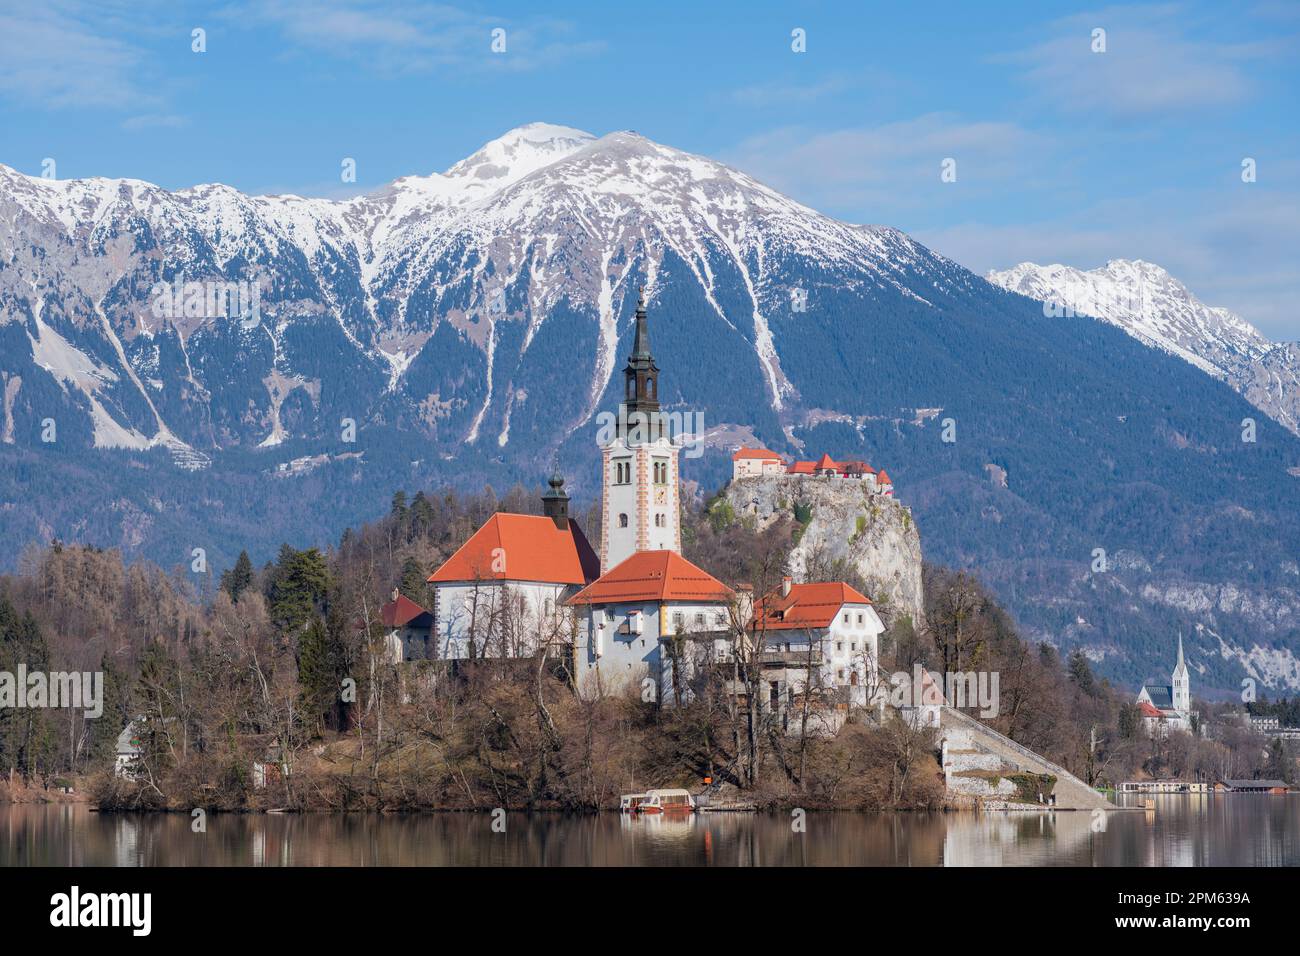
(1214, 830)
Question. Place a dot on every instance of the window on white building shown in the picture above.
(846, 617)
(622, 521)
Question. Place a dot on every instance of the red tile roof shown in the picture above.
(400, 612)
(654, 576)
(512, 547)
(884, 478)
(806, 606)
(1148, 710)
(826, 461)
(760, 453)
(801, 468)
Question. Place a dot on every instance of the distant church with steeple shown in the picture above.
(1167, 707)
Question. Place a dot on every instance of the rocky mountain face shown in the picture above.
(846, 526)
(201, 369)
(1155, 308)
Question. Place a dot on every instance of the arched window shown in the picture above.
(650, 387)
(622, 521)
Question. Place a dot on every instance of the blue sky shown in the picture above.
(1062, 154)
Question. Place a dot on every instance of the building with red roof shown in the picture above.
(755, 462)
(831, 624)
(407, 628)
(503, 592)
(628, 615)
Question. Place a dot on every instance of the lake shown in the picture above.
(1214, 830)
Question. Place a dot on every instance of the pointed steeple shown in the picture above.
(641, 346)
(1182, 685)
(641, 384)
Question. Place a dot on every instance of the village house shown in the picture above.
(820, 638)
(407, 629)
(1168, 707)
(637, 618)
(503, 593)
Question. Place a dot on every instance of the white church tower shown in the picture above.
(1182, 687)
(641, 503)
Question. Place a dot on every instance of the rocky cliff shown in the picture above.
(843, 526)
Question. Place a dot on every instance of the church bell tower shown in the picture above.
(641, 501)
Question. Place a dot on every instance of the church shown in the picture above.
(1167, 707)
(632, 614)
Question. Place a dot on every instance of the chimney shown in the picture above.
(555, 503)
(785, 586)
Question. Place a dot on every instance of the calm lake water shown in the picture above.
(1218, 830)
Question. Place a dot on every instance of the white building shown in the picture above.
(634, 620)
(641, 504)
(503, 593)
(1167, 707)
(829, 624)
(755, 462)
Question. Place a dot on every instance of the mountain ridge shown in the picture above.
(475, 344)
(1151, 305)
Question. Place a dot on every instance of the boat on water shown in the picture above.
(667, 801)
(630, 802)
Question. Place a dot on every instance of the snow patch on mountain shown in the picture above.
(1149, 304)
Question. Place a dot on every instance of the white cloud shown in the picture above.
(1152, 65)
(60, 54)
(397, 39)
(891, 167)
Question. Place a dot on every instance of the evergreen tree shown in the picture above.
(26, 740)
(1081, 673)
(239, 578)
(299, 584)
(414, 580)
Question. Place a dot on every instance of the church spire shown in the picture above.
(641, 382)
(641, 347)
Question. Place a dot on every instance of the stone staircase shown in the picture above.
(978, 763)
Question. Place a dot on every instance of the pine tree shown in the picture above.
(26, 741)
(300, 582)
(414, 578)
(239, 578)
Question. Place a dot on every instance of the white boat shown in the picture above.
(667, 801)
(630, 802)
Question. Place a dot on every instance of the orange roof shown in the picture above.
(512, 547)
(653, 576)
(807, 605)
(760, 453)
(400, 612)
(1149, 710)
(802, 467)
(826, 462)
(884, 478)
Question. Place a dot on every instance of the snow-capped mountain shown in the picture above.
(1154, 307)
(545, 218)
(467, 328)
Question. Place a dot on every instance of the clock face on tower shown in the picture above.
(661, 496)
